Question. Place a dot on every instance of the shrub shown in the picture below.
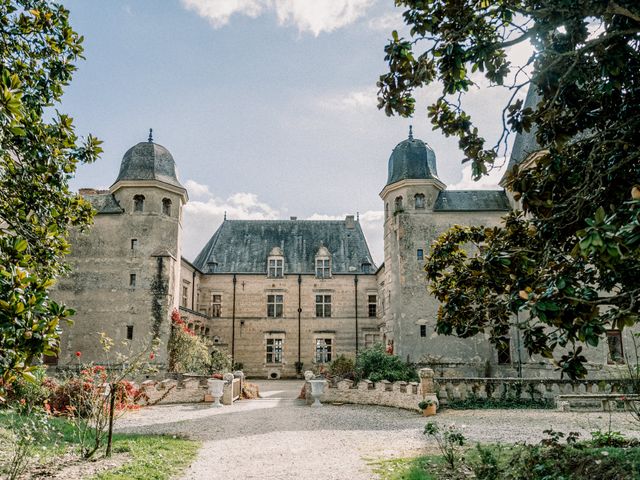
(32, 393)
(342, 367)
(187, 351)
(219, 361)
(449, 440)
(376, 365)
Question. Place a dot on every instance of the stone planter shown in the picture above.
(317, 389)
(216, 389)
(429, 411)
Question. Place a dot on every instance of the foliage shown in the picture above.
(343, 367)
(511, 396)
(551, 459)
(39, 152)
(187, 352)
(32, 392)
(449, 440)
(570, 259)
(376, 365)
(425, 404)
(219, 361)
(632, 362)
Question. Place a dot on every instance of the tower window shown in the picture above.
(166, 206)
(185, 296)
(614, 344)
(373, 305)
(132, 280)
(398, 204)
(386, 210)
(134, 243)
(420, 254)
(419, 201)
(138, 203)
(274, 305)
(129, 332)
(423, 331)
(216, 305)
(504, 351)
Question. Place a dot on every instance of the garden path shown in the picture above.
(279, 437)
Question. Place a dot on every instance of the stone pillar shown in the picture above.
(426, 381)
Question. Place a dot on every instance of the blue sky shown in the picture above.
(268, 106)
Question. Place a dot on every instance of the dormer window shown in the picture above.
(398, 204)
(323, 263)
(419, 201)
(166, 206)
(275, 263)
(366, 267)
(138, 203)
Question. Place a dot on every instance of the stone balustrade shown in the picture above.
(188, 389)
(405, 395)
(455, 389)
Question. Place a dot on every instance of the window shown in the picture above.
(323, 305)
(216, 305)
(185, 295)
(276, 268)
(398, 204)
(323, 350)
(206, 331)
(134, 243)
(366, 267)
(504, 351)
(423, 331)
(419, 201)
(386, 210)
(129, 332)
(373, 305)
(615, 353)
(166, 206)
(370, 339)
(274, 350)
(132, 280)
(323, 268)
(274, 305)
(420, 254)
(138, 203)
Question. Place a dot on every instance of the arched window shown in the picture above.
(419, 201)
(138, 203)
(166, 206)
(398, 204)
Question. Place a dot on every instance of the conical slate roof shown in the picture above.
(148, 161)
(412, 159)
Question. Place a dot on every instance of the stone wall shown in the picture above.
(405, 395)
(187, 389)
(448, 389)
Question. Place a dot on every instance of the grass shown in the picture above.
(152, 457)
(407, 468)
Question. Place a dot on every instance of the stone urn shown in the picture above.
(216, 388)
(317, 389)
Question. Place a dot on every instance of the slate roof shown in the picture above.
(104, 203)
(525, 143)
(412, 159)
(148, 161)
(242, 246)
(471, 201)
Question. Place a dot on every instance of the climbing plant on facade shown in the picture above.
(39, 153)
(570, 260)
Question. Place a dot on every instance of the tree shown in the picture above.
(570, 260)
(39, 152)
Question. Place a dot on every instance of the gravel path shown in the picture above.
(278, 437)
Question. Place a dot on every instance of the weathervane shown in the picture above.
(410, 132)
(150, 135)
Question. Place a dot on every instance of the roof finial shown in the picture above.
(150, 139)
(225, 214)
(410, 132)
(358, 216)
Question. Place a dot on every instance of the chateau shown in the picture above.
(278, 294)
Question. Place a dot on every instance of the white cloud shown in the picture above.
(313, 16)
(197, 190)
(387, 22)
(487, 182)
(362, 99)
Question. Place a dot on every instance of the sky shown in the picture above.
(267, 106)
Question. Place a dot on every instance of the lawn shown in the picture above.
(152, 457)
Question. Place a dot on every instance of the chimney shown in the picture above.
(350, 222)
(293, 218)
